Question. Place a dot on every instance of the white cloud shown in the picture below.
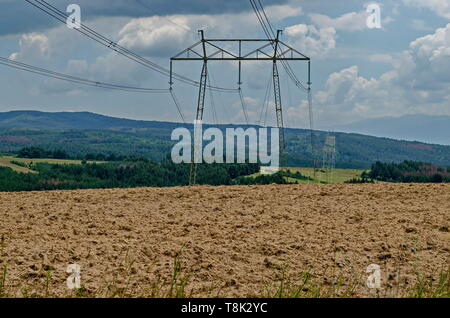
(278, 13)
(60, 42)
(158, 36)
(32, 46)
(428, 61)
(381, 58)
(111, 68)
(55, 50)
(349, 95)
(353, 21)
(318, 39)
(312, 41)
(440, 7)
(418, 83)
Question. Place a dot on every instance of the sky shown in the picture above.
(357, 72)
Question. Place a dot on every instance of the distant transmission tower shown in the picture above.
(329, 157)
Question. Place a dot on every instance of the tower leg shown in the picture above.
(278, 107)
(199, 117)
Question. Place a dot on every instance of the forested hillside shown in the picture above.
(124, 137)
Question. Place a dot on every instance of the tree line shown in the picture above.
(40, 153)
(133, 172)
(406, 172)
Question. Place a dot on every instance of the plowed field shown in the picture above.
(226, 241)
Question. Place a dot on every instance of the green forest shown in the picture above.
(133, 172)
(353, 151)
(407, 172)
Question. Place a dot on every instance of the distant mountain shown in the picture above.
(430, 129)
(82, 133)
(70, 120)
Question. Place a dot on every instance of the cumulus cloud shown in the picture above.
(312, 41)
(418, 83)
(382, 59)
(111, 68)
(353, 21)
(163, 36)
(440, 7)
(428, 59)
(348, 95)
(18, 16)
(155, 35)
(32, 46)
(66, 51)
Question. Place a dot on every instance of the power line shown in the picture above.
(213, 104)
(221, 101)
(270, 33)
(241, 96)
(267, 105)
(62, 17)
(266, 99)
(177, 104)
(290, 120)
(285, 64)
(74, 79)
(82, 81)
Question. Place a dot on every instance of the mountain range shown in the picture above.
(424, 128)
(84, 132)
(69, 120)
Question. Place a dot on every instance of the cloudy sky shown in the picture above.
(402, 68)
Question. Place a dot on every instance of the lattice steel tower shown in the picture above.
(208, 50)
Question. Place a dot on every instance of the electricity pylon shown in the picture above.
(207, 50)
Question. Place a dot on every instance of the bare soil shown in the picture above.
(234, 241)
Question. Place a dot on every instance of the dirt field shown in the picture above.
(234, 241)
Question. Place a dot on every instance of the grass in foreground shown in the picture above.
(426, 288)
(282, 285)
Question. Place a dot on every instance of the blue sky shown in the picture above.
(358, 72)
